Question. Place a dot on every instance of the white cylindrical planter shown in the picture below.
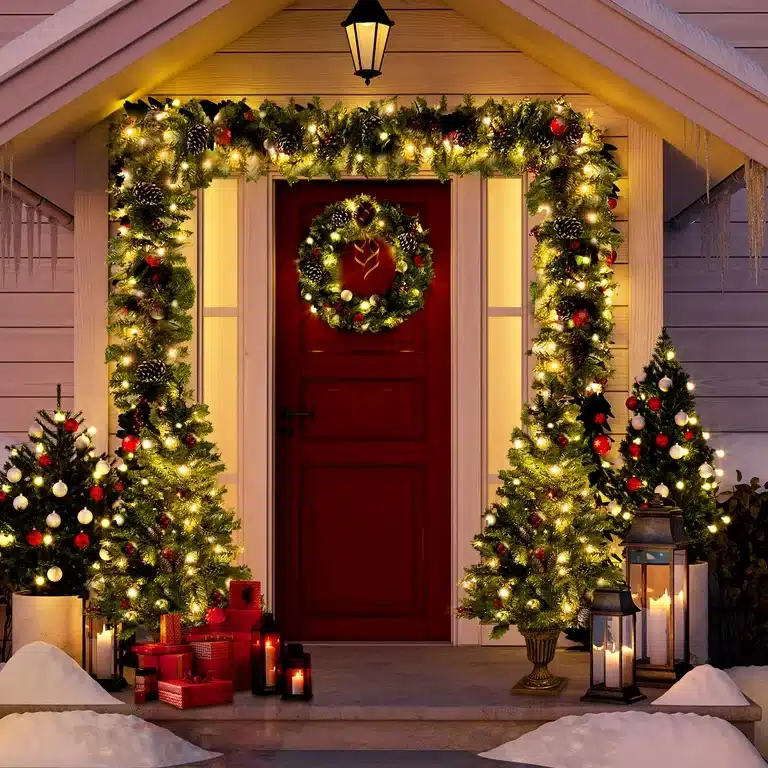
(54, 620)
(698, 612)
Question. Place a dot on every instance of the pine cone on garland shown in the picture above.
(567, 228)
(542, 138)
(158, 225)
(314, 271)
(147, 193)
(573, 135)
(151, 371)
(197, 139)
(408, 242)
(340, 218)
(290, 139)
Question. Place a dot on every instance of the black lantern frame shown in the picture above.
(612, 648)
(656, 563)
(297, 673)
(101, 657)
(266, 654)
(367, 28)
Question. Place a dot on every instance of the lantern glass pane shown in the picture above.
(613, 652)
(353, 47)
(366, 39)
(627, 650)
(680, 592)
(381, 45)
(635, 579)
(598, 649)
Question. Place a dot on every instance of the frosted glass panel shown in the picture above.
(505, 242)
(220, 243)
(505, 384)
(220, 374)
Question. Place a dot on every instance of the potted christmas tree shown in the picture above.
(58, 497)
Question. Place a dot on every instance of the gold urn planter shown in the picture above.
(540, 645)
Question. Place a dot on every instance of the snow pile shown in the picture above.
(632, 740)
(41, 674)
(91, 740)
(753, 682)
(703, 686)
(698, 40)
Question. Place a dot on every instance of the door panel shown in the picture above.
(363, 496)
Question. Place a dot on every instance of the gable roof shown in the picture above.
(646, 61)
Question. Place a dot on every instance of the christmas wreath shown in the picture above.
(369, 231)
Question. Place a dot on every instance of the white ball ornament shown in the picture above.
(84, 516)
(104, 555)
(82, 443)
(102, 467)
(681, 418)
(20, 503)
(14, 475)
(35, 431)
(705, 470)
(53, 520)
(638, 422)
(665, 384)
(662, 490)
(677, 451)
(60, 489)
(346, 295)
(614, 508)
(55, 574)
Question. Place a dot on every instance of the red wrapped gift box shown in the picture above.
(212, 649)
(245, 618)
(159, 649)
(244, 594)
(215, 669)
(185, 695)
(170, 628)
(174, 666)
(241, 645)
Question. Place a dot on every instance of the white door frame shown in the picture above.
(257, 349)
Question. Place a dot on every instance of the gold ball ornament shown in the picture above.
(21, 502)
(84, 516)
(53, 521)
(14, 475)
(662, 490)
(677, 451)
(55, 574)
(638, 422)
(59, 489)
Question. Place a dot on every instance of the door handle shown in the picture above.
(296, 414)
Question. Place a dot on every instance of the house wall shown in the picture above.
(17, 16)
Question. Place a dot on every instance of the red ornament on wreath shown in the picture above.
(633, 484)
(501, 548)
(130, 443)
(224, 136)
(540, 553)
(600, 418)
(3, 496)
(535, 520)
(610, 259)
(601, 445)
(561, 440)
(612, 202)
(574, 245)
(71, 425)
(129, 549)
(662, 441)
(169, 554)
(96, 493)
(558, 126)
(655, 404)
(632, 403)
(45, 460)
(634, 450)
(34, 538)
(190, 440)
(418, 261)
(359, 317)
(119, 486)
(82, 540)
(581, 318)
(152, 260)
(249, 116)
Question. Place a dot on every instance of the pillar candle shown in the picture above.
(658, 629)
(270, 661)
(297, 682)
(612, 668)
(105, 654)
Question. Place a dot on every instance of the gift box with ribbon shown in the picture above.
(194, 691)
(244, 594)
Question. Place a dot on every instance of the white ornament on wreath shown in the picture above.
(614, 508)
(705, 470)
(21, 502)
(84, 516)
(35, 431)
(662, 490)
(665, 384)
(53, 520)
(681, 418)
(59, 489)
(638, 422)
(14, 475)
(346, 295)
(677, 452)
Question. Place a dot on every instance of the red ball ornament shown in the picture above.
(3, 495)
(82, 540)
(96, 493)
(71, 425)
(689, 435)
(249, 116)
(163, 520)
(215, 615)
(610, 259)
(632, 403)
(359, 317)
(662, 441)
(45, 460)
(655, 404)
(574, 245)
(215, 597)
(558, 126)
(601, 445)
(169, 554)
(561, 440)
(600, 418)
(634, 450)
(581, 318)
(418, 261)
(190, 440)
(612, 202)
(152, 260)
(539, 553)
(119, 486)
(224, 136)
(497, 603)
(501, 548)
(633, 484)
(34, 538)
(130, 444)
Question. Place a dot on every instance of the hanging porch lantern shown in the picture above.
(367, 28)
(656, 561)
(612, 650)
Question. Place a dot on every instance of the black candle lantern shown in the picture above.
(657, 574)
(266, 649)
(297, 673)
(612, 650)
(101, 653)
(367, 28)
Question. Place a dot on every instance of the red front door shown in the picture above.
(363, 501)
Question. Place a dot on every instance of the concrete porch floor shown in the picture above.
(407, 697)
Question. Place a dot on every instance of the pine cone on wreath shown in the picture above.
(340, 218)
(290, 139)
(197, 139)
(567, 228)
(408, 242)
(151, 371)
(314, 271)
(573, 135)
(158, 225)
(542, 138)
(147, 193)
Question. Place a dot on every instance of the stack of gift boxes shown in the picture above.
(206, 664)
